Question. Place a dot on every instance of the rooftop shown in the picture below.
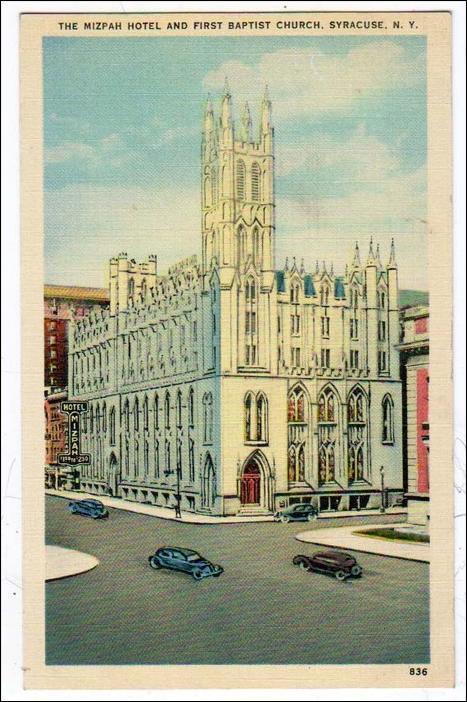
(75, 292)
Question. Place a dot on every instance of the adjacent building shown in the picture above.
(226, 386)
(414, 350)
(61, 304)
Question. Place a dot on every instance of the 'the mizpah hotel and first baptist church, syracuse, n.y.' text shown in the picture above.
(229, 387)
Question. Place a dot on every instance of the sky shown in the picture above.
(122, 134)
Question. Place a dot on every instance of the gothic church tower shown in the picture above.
(237, 188)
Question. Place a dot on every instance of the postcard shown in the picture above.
(237, 414)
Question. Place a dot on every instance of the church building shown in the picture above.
(225, 386)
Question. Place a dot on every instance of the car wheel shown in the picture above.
(154, 562)
(341, 575)
(312, 516)
(301, 563)
(197, 574)
(356, 570)
(285, 519)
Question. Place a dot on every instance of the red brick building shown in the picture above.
(62, 303)
(415, 372)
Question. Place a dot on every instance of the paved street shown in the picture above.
(261, 610)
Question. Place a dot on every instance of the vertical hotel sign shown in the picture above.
(74, 457)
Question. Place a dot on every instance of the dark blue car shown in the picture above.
(186, 560)
(90, 508)
(301, 512)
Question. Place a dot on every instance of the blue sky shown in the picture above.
(122, 121)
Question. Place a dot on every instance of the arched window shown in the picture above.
(208, 417)
(382, 299)
(167, 411)
(294, 292)
(327, 406)
(354, 298)
(298, 434)
(146, 458)
(136, 414)
(156, 459)
(112, 426)
(191, 408)
(167, 458)
(191, 460)
(261, 418)
(98, 419)
(126, 416)
(296, 406)
(179, 458)
(327, 435)
(156, 412)
(257, 257)
(136, 467)
(241, 243)
(104, 418)
(143, 288)
(324, 295)
(240, 179)
(250, 290)
(146, 414)
(356, 434)
(131, 287)
(251, 323)
(179, 409)
(388, 420)
(255, 182)
(248, 417)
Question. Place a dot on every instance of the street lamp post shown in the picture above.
(382, 509)
(178, 511)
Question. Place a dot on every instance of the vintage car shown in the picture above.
(336, 563)
(89, 508)
(301, 512)
(186, 560)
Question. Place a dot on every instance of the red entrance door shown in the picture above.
(250, 485)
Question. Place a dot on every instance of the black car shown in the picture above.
(186, 560)
(336, 563)
(89, 508)
(301, 512)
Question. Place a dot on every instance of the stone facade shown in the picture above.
(226, 386)
(415, 371)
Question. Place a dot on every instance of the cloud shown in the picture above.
(360, 156)
(309, 81)
(87, 224)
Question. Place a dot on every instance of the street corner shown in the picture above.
(64, 562)
(354, 538)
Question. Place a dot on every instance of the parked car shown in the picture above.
(186, 560)
(336, 563)
(301, 512)
(90, 508)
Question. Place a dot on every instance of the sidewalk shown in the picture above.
(346, 538)
(192, 518)
(153, 511)
(64, 562)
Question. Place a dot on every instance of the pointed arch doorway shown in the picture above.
(113, 477)
(255, 483)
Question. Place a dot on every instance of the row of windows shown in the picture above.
(255, 181)
(98, 418)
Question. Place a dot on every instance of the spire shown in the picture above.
(371, 261)
(208, 116)
(356, 257)
(392, 256)
(226, 108)
(378, 257)
(266, 112)
(246, 123)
